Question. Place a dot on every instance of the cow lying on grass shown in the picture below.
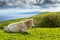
(20, 26)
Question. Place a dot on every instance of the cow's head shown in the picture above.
(30, 23)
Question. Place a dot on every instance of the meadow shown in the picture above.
(34, 34)
(37, 33)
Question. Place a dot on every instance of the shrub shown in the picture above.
(51, 21)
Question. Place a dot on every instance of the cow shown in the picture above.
(22, 26)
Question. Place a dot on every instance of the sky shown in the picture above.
(30, 10)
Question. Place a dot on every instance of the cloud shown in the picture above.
(29, 10)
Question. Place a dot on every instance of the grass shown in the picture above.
(33, 34)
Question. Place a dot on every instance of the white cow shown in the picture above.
(20, 26)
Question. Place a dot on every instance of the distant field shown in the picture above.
(34, 33)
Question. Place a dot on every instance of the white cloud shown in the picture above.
(29, 10)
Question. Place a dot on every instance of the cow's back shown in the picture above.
(15, 27)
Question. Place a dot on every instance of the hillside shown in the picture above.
(37, 19)
(34, 33)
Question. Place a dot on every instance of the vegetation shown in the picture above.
(46, 19)
(34, 34)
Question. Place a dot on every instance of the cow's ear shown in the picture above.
(29, 21)
(26, 22)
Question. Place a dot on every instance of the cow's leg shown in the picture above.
(23, 30)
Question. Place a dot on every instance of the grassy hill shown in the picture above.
(34, 33)
(37, 19)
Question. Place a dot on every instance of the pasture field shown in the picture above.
(38, 33)
(34, 34)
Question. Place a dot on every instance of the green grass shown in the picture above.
(33, 34)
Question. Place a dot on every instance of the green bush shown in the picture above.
(49, 20)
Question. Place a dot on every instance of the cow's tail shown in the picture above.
(6, 29)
